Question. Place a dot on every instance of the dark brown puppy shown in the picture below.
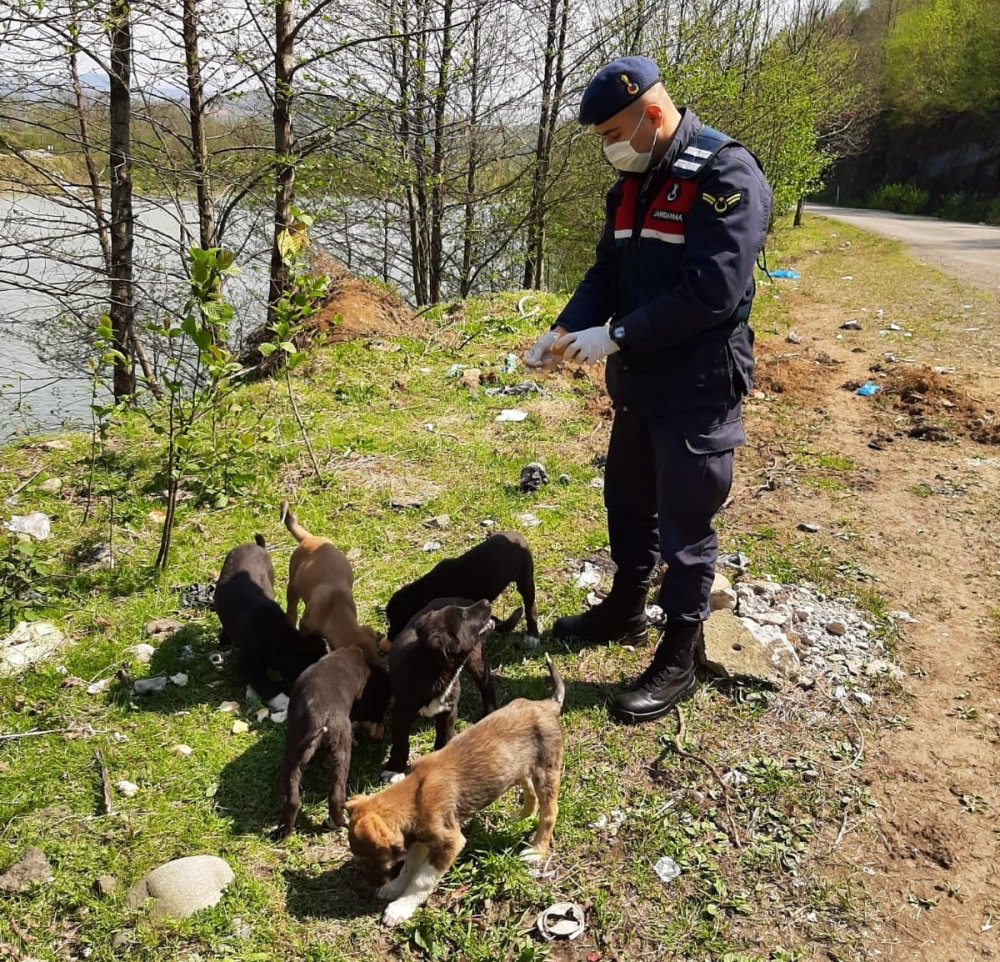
(418, 821)
(256, 627)
(426, 659)
(340, 689)
(482, 572)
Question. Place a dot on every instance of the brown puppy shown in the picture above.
(340, 689)
(417, 821)
(320, 575)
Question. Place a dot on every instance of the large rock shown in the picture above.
(27, 643)
(182, 887)
(731, 652)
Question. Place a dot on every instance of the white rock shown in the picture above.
(529, 520)
(126, 788)
(142, 653)
(262, 713)
(511, 414)
(28, 643)
(229, 706)
(95, 688)
(180, 679)
(769, 618)
(903, 616)
(240, 727)
(862, 698)
(597, 483)
(182, 887)
(278, 717)
(589, 577)
(182, 751)
(36, 525)
(431, 546)
(52, 486)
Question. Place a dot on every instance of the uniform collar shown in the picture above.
(685, 133)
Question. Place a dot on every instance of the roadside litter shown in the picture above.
(785, 274)
(564, 920)
(36, 525)
(667, 870)
(511, 414)
(868, 389)
(533, 476)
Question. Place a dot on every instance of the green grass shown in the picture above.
(365, 407)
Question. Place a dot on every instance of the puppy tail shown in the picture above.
(295, 529)
(259, 539)
(558, 688)
(510, 623)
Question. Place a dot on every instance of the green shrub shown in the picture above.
(901, 198)
(991, 211)
(957, 207)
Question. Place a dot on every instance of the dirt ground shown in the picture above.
(915, 504)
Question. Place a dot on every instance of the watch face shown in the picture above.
(617, 333)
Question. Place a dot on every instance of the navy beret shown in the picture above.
(616, 86)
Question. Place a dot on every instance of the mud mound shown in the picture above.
(352, 308)
(938, 409)
(784, 372)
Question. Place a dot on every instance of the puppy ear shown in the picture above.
(353, 802)
(372, 829)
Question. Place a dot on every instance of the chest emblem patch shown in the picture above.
(673, 192)
(723, 203)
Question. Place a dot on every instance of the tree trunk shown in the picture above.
(437, 163)
(555, 41)
(122, 311)
(472, 163)
(797, 221)
(199, 147)
(284, 163)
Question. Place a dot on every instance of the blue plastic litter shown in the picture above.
(868, 389)
(785, 274)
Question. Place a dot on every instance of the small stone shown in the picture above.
(127, 788)
(150, 686)
(598, 483)
(33, 867)
(56, 445)
(903, 616)
(278, 717)
(229, 706)
(839, 693)
(563, 479)
(105, 886)
(181, 751)
(261, 714)
(95, 688)
(119, 940)
(802, 614)
(836, 628)
(52, 486)
(487, 523)
(529, 520)
(441, 522)
(431, 546)
(511, 415)
(793, 338)
(470, 378)
(533, 476)
(240, 727)
(142, 653)
(808, 527)
(776, 618)
(187, 653)
(862, 698)
(852, 325)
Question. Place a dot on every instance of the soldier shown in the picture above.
(667, 302)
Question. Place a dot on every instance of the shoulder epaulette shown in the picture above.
(698, 154)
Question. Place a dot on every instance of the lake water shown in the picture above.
(51, 297)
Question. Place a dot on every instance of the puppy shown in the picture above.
(320, 575)
(418, 821)
(339, 689)
(254, 624)
(425, 661)
(482, 572)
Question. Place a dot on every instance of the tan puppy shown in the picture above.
(320, 575)
(418, 820)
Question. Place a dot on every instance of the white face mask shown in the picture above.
(622, 156)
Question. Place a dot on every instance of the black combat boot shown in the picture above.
(668, 680)
(621, 616)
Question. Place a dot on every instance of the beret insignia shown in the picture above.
(630, 86)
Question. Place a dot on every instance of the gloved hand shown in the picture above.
(587, 346)
(540, 354)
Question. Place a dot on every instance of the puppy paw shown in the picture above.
(390, 778)
(398, 911)
(530, 642)
(391, 890)
(279, 703)
(531, 855)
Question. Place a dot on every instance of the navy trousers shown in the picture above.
(665, 479)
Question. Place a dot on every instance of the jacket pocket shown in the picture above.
(716, 438)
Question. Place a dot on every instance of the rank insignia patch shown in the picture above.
(724, 202)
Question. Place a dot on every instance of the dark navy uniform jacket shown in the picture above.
(674, 273)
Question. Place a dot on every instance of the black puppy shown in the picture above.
(425, 661)
(340, 690)
(256, 627)
(482, 572)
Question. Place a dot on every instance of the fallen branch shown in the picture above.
(677, 743)
(302, 427)
(108, 799)
(24, 484)
(48, 731)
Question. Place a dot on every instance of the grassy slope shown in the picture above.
(365, 408)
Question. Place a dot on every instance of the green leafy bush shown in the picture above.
(901, 198)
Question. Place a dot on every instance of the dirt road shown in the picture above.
(917, 508)
(968, 252)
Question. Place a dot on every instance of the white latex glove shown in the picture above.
(587, 346)
(540, 353)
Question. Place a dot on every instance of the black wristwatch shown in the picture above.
(617, 332)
